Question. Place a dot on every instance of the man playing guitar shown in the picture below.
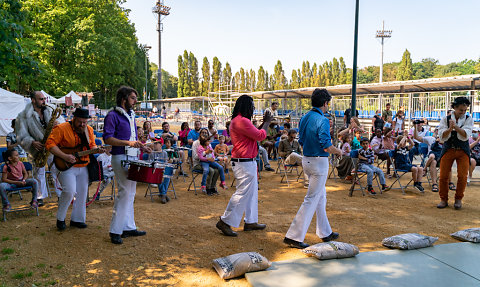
(74, 180)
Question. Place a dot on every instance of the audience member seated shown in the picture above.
(207, 160)
(290, 150)
(213, 173)
(366, 158)
(147, 129)
(377, 121)
(402, 160)
(183, 134)
(398, 123)
(13, 144)
(221, 152)
(212, 131)
(262, 152)
(226, 134)
(269, 142)
(474, 152)
(15, 175)
(106, 159)
(379, 149)
(345, 165)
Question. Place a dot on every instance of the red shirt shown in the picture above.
(244, 137)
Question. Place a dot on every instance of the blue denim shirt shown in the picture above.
(314, 134)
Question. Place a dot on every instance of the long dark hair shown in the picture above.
(244, 107)
(182, 127)
(6, 154)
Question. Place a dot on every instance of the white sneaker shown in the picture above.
(469, 179)
(153, 185)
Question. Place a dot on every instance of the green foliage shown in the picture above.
(206, 77)
(59, 266)
(279, 79)
(5, 238)
(216, 74)
(7, 251)
(405, 70)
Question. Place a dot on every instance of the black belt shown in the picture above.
(242, 159)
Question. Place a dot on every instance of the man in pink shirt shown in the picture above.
(244, 139)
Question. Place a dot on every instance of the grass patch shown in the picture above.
(40, 265)
(43, 234)
(51, 282)
(59, 266)
(5, 238)
(15, 238)
(22, 275)
(7, 251)
(4, 258)
(45, 275)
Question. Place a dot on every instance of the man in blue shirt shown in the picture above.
(194, 134)
(317, 145)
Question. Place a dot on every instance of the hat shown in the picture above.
(81, 113)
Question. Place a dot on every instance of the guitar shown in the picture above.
(78, 152)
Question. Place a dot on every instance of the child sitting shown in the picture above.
(366, 157)
(345, 165)
(221, 151)
(15, 175)
(106, 159)
(207, 160)
(402, 161)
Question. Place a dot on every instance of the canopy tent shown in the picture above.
(11, 105)
(49, 99)
(76, 99)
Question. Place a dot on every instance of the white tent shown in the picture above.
(76, 99)
(11, 105)
(49, 99)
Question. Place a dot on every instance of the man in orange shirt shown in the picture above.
(75, 179)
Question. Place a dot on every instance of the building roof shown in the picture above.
(448, 84)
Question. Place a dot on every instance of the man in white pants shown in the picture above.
(30, 127)
(244, 139)
(120, 131)
(75, 179)
(317, 144)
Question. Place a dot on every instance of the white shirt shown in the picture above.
(195, 158)
(462, 122)
(272, 112)
(398, 124)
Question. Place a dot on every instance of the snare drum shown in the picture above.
(144, 171)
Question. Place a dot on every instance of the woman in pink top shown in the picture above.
(244, 166)
(207, 160)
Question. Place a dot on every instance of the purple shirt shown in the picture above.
(225, 133)
(117, 125)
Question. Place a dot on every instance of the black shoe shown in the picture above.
(40, 202)
(295, 244)
(419, 187)
(269, 169)
(331, 237)
(254, 226)
(116, 238)
(78, 224)
(163, 198)
(61, 225)
(128, 233)
(225, 228)
(371, 191)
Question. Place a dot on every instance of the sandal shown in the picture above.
(434, 187)
(452, 186)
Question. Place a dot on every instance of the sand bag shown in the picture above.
(471, 235)
(409, 241)
(331, 250)
(238, 264)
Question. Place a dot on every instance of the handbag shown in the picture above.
(95, 170)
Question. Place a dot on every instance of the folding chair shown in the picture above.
(112, 195)
(17, 190)
(399, 173)
(334, 164)
(358, 175)
(150, 188)
(195, 174)
(285, 169)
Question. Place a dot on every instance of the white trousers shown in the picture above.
(314, 202)
(245, 198)
(123, 215)
(75, 184)
(295, 158)
(39, 175)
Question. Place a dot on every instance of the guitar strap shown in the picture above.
(83, 137)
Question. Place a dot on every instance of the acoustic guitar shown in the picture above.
(77, 152)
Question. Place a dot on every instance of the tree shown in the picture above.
(306, 75)
(405, 70)
(193, 70)
(295, 82)
(169, 85)
(279, 80)
(243, 81)
(252, 81)
(206, 77)
(181, 76)
(262, 80)
(227, 76)
(343, 72)
(187, 88)
(216, 74)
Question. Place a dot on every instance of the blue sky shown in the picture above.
(252, 33)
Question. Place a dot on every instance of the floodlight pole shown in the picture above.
(354, 76)
(161, 10)
(382, 34)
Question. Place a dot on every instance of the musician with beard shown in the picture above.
(74, 180)
(31, 125)
(120, 131)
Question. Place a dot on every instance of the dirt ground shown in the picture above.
(182, 240)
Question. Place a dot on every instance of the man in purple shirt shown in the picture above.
(120, 131)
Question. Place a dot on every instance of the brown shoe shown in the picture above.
(458, 204)
(225, 228)
(442, 204)
(253, 226)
